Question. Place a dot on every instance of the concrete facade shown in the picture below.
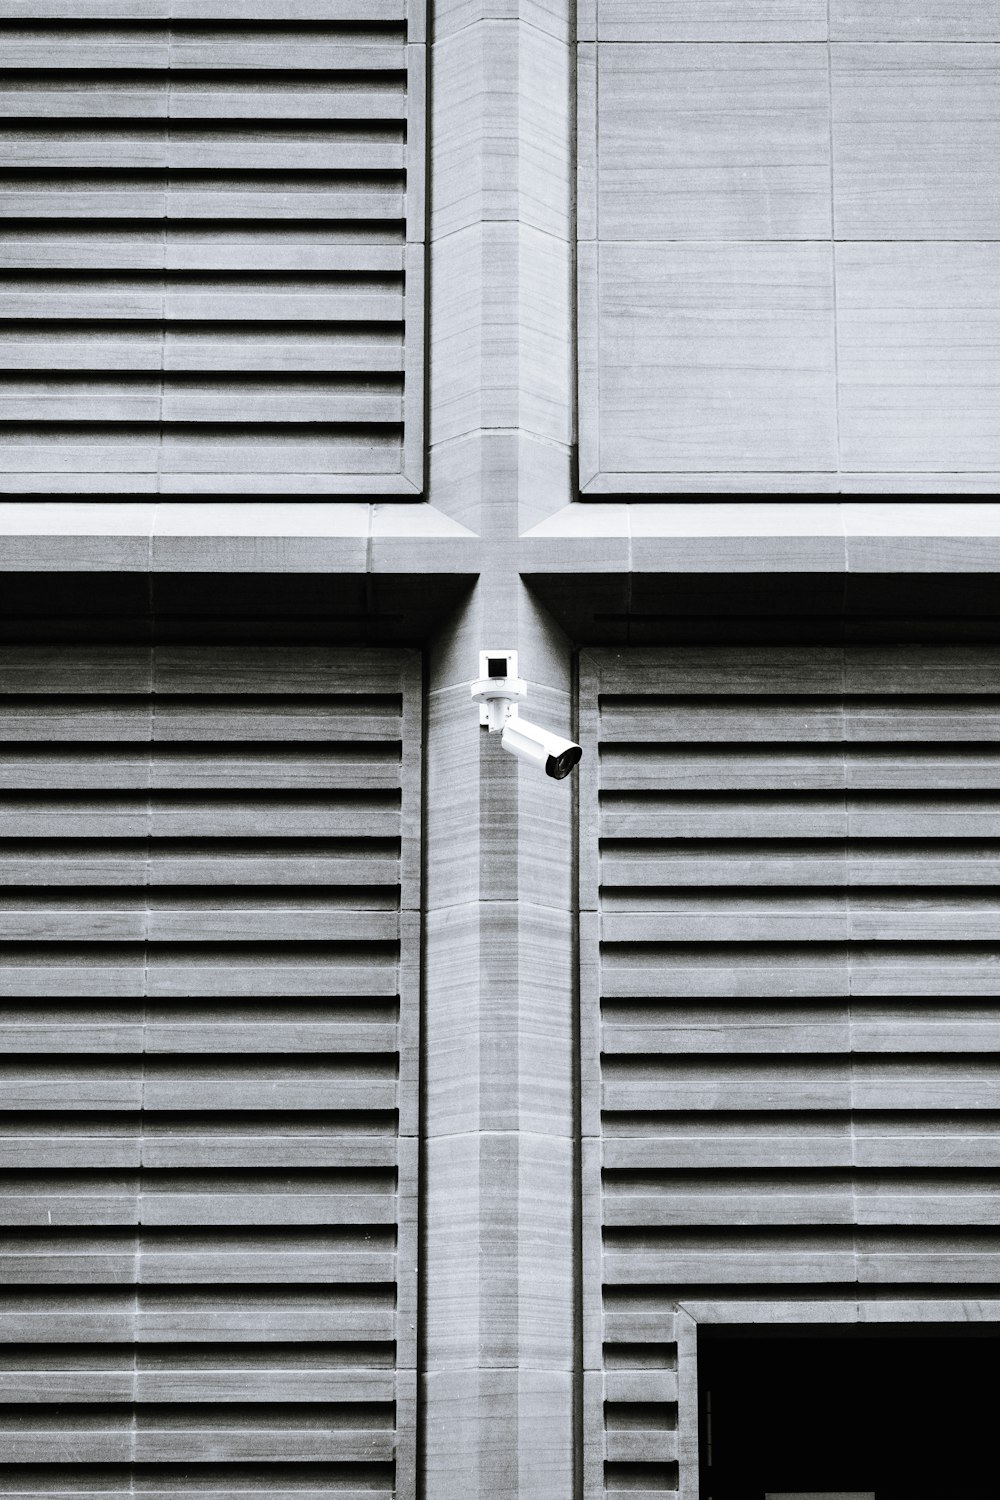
(665, 336)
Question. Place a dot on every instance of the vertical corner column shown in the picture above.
(501, 266)
(500, 1329)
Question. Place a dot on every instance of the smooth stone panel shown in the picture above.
(916, 140)
(499, 1433)
(705, 142)
(915, 20)
(712, 20)
(500, 335)
(919, 356)
(717, 357)
(500, 144)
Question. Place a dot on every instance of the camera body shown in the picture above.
(498, 690)
(539, 747)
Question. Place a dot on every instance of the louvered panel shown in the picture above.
(791, 1023)
(211, 261)
(209, 908)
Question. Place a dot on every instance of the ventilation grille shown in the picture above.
(793, 950)
(211, 253)
(209, 1032)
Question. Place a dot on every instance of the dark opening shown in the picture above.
(899, 1416)
(496, 666)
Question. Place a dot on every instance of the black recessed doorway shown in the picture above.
(903, 1416)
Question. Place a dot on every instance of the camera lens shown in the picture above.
(558, 766)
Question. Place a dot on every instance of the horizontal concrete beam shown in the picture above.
(354, 537)
(239, 536)
(764, 537)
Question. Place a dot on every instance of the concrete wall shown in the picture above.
(686, 290)
(787, 269)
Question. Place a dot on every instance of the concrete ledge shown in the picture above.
(354, 537)
(232, 536)
(822, 537)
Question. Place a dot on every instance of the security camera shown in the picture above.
(539, 747)
(497, 690)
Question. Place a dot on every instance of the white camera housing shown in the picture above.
(539, 747)
(497, 690)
